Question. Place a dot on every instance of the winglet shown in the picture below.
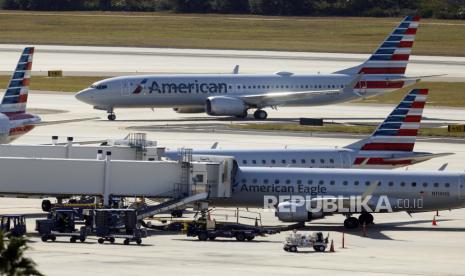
(443, 167)
(214, 146)
(236, 69)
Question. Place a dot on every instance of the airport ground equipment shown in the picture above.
(13, 225)
(205, 229)
(61, 223)
(111, 224)
(296, 240)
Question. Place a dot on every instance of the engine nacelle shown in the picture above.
(189, 109)
(296, 212)
(225, 106)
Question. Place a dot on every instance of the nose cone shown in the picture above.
(87, 96)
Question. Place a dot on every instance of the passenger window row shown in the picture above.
(284, 161)
(262, 86)
(345, 183)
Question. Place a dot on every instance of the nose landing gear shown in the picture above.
(111, 116)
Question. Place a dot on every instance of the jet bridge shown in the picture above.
(133, 147)
(181, 181)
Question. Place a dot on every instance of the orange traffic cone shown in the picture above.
(331, 248)
(434, 223)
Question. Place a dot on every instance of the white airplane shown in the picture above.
(234, 94)
(302, 195)
(14, 120)
(389, 146)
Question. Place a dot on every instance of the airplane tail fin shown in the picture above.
(398, 132)
(15, 98)
(391, 57)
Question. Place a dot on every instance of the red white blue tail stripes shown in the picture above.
(384, 70)
(15, 98)
(399, 130)
(392, 56)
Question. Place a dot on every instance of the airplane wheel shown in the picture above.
(351, 223)
(111, 117)
(260, 114)
(370, 218)
(365, 218)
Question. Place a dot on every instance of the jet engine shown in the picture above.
(189, 109)
(295, 212)
(225, 106)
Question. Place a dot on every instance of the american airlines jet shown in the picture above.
(390, 146)
(235, 94)
(14, 120)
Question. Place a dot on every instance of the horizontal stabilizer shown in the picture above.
(418, 157)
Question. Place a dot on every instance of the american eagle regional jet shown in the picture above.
(234, 94)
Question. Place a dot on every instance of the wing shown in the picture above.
(282, 98)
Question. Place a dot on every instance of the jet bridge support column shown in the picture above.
(107, 183)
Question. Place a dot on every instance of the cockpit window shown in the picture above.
(99, 86)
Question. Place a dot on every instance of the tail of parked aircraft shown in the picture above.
(15, 98)
(389, 61)
(399, 130)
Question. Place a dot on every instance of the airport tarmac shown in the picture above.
(114, 61)
(397, 244)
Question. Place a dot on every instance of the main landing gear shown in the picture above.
(111, 115)
(352, 222)
(260, 114)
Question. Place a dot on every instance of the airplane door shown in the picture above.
(125, 88)
(345, 159)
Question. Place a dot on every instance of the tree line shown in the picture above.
(444, 9)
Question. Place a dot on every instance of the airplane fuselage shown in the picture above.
(310, 158)
(193, 90)
(435, 190)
